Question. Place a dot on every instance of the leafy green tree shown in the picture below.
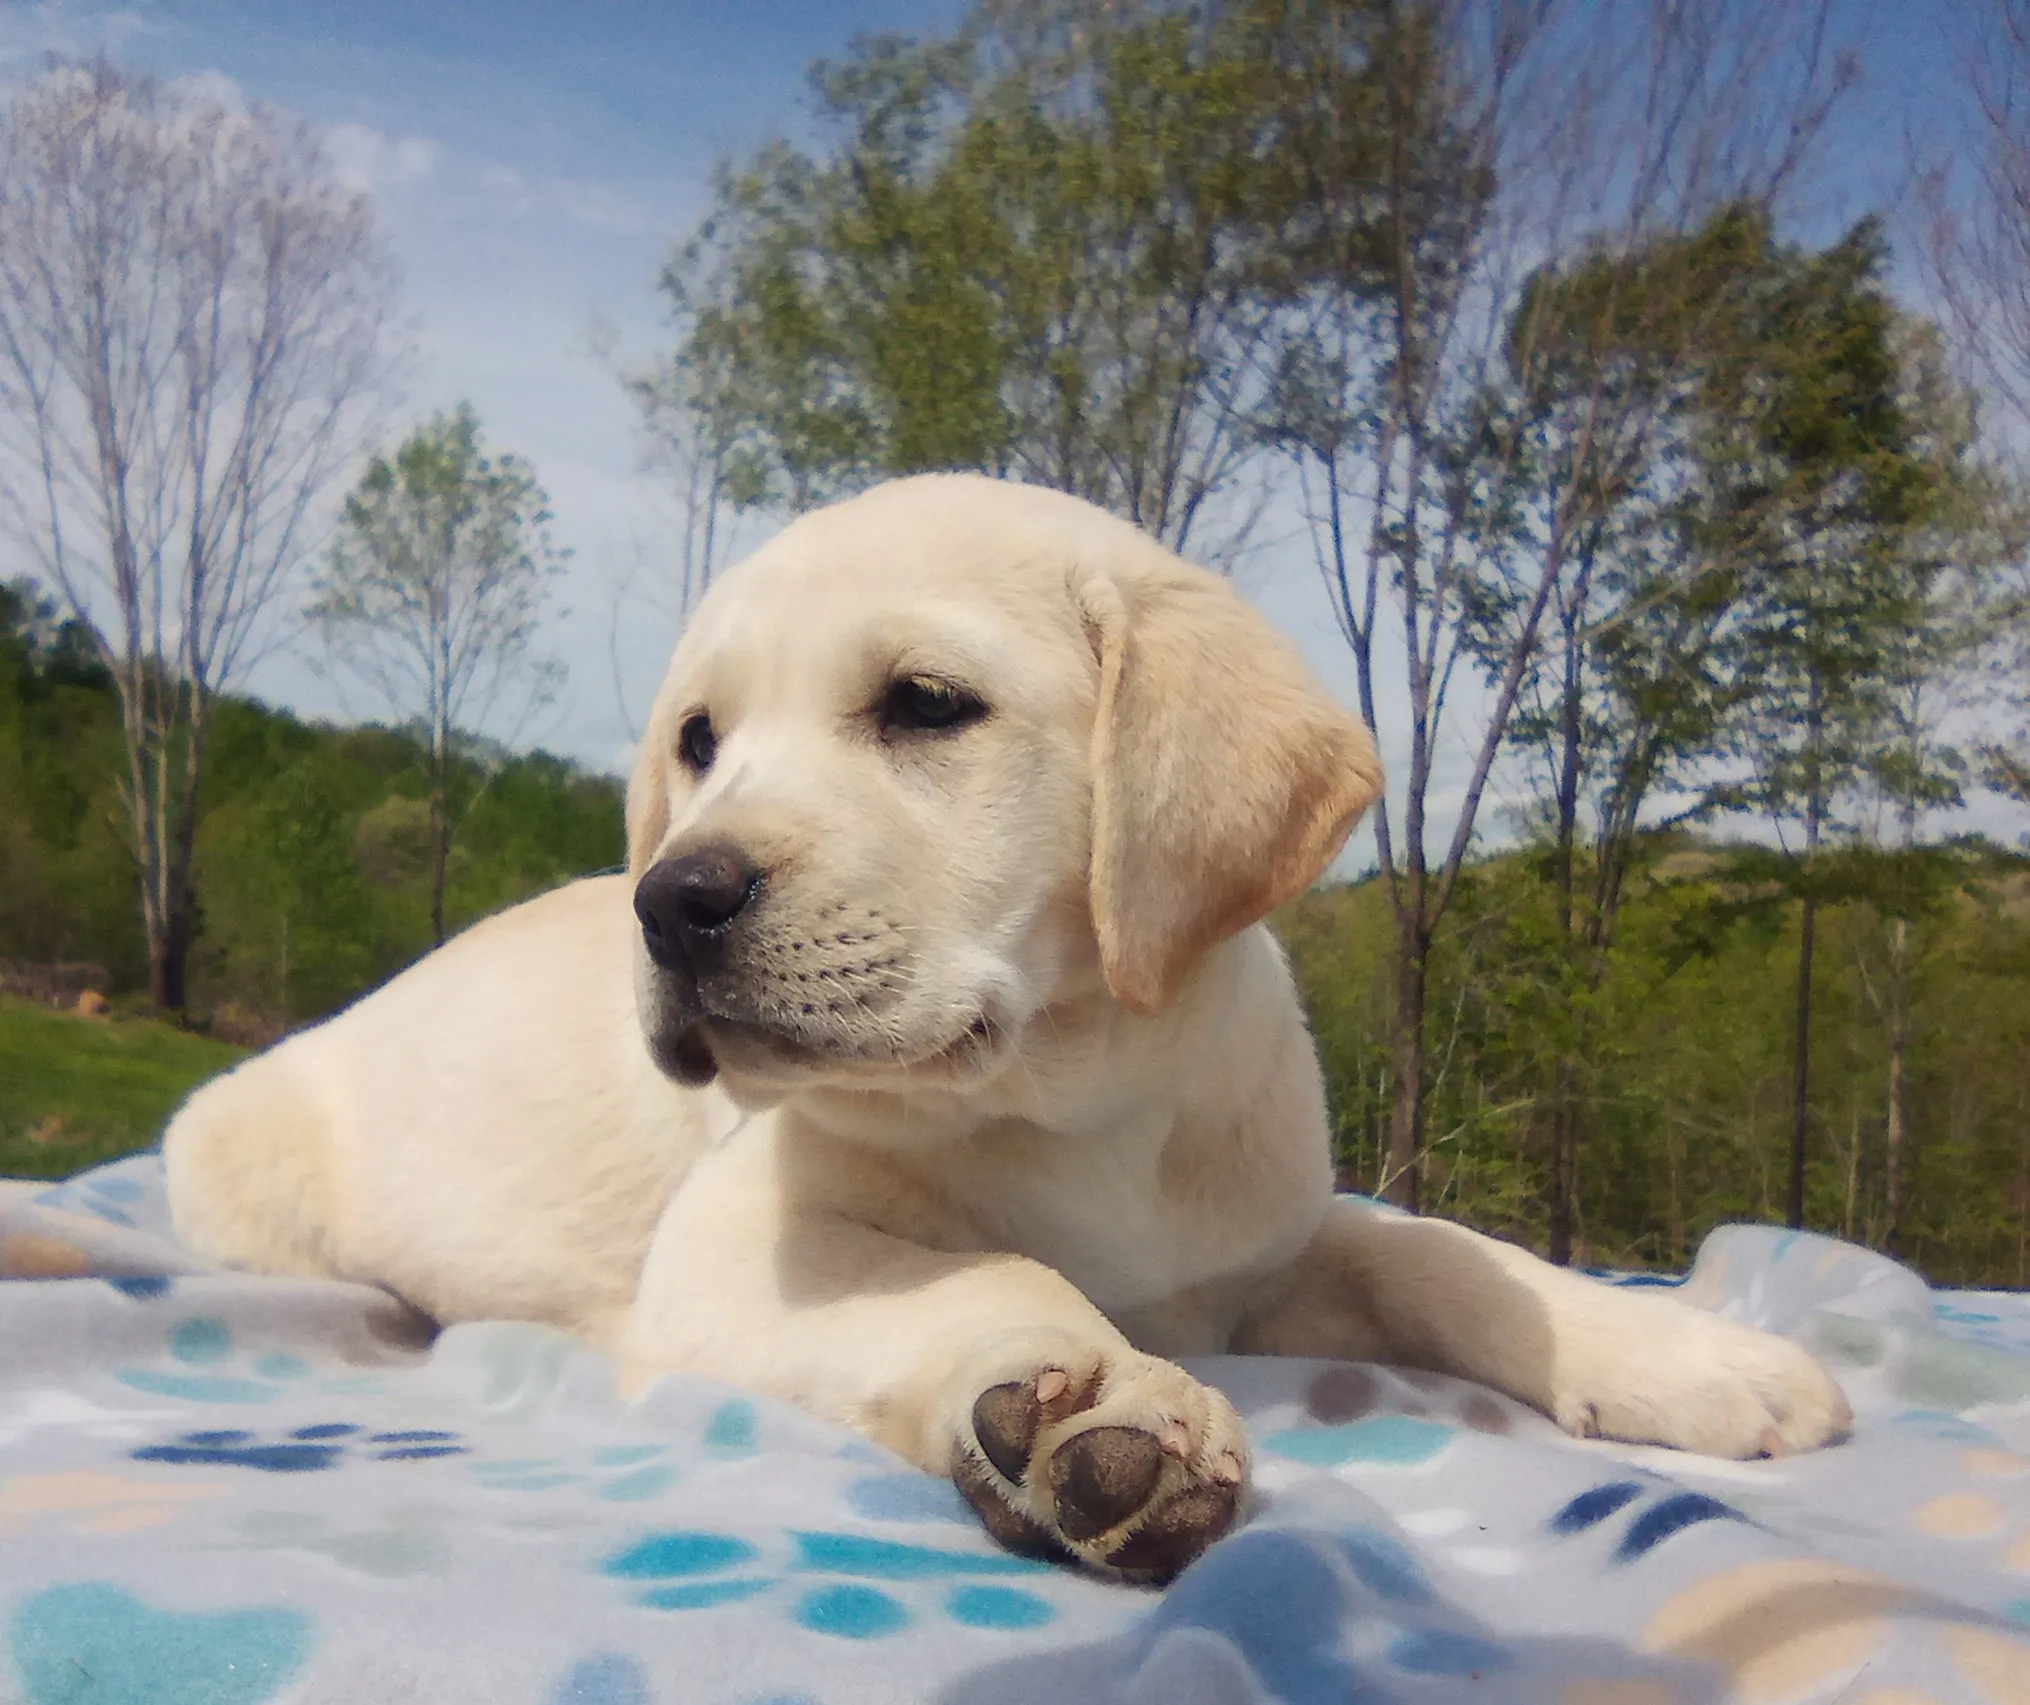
(432, 595)
(1044, 247)
(1462, 418)
(1687, 1092)
(1625, 691)
(1823, 486)
(66, 878)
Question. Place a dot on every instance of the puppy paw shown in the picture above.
(1680, 1377)
(1119, 1460)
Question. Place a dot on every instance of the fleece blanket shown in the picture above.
(225, 1490)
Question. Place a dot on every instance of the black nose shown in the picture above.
(686, 902)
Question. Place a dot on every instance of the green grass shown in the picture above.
(75, 1092)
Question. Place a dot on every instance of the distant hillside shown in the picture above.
(311, 848)
(1686, 1056)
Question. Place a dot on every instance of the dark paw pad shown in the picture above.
(1102, 1477)
(1177, 1531)
(1005, 1420)
(1006, 1526)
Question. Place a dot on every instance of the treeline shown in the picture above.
(1632, 481)
(1679, 1058)
(313, 850)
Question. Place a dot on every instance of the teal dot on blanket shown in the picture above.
(701, 1595)
(640, 1484)
(1433, 1651)
(605, 1678)
(1399, 1440)
(997, 1607)
(92, 1644)
(200, 1342)
(884, 1560)
(907, 1497)
(678, 1553)
(2017, 1610)
(731, 1430)
(851, 1613)
(196, 1388)
(625, 1456)
(281, 1367)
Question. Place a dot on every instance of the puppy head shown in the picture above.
(938, 757)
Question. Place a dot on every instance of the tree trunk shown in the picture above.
(440, 849)
(173, 928)
(1406, 1075)
(1899, 1047)
(1564, 1101)
(1800, 1106)
(169, 963)
(2022, 1191)
(1564, 1169)
(1807, 931)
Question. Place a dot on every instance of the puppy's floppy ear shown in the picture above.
(1224, 777)
(648, 792)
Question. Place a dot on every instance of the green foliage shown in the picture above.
(1049, 246)
(312, 854)
(66, 876)
(79, 1091)
(1686, 1081)
(432, 595)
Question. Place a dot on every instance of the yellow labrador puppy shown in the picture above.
(932, 1067)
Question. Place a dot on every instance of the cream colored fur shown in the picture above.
(1011, 1082)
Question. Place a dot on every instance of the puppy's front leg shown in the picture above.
(766, 1272)
(1601, 1362)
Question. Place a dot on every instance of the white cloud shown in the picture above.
(215, 87)
(373, 164)
(27, 33)
(587, 202)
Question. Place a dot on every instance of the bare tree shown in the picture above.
(432, 595)
(1975, 238)
(697, 442)
(191, 312)
(1519, 132)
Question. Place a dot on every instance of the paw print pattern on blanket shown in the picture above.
(1650, 1527)
(627, 1472)
(1399, 1418)
(404, 1543)
(306, 1450)
(202, 1349)
(692, 1569)
(616, 1473)
(90, 1643)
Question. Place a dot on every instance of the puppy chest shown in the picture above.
(1110, 1227)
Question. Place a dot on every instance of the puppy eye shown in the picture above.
(918, 704)
(697, 744)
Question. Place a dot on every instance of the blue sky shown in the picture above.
(533, 163)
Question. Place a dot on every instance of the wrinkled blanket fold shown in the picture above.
(218, 1489)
